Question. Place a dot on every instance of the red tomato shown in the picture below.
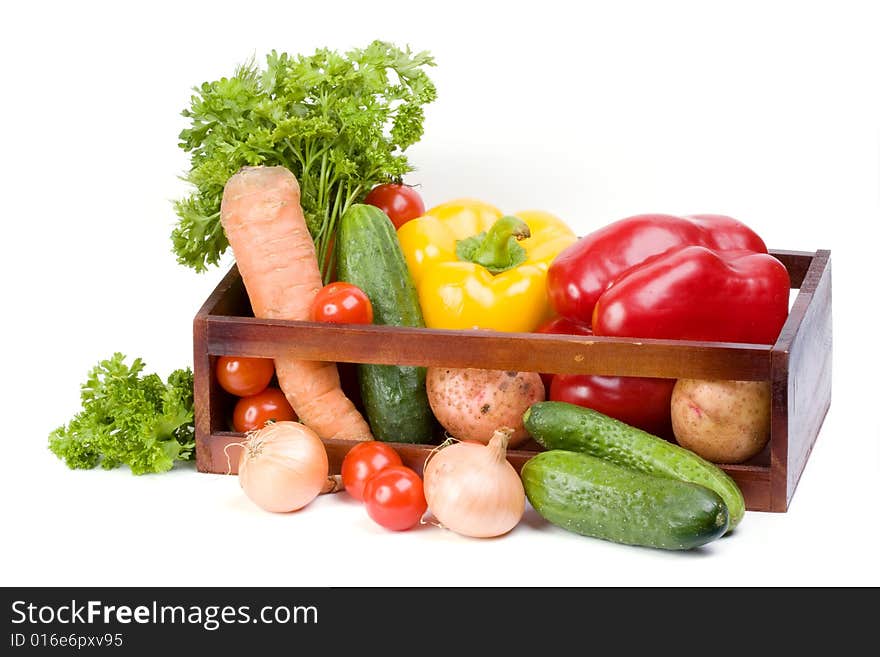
(243, 376)
(254, 411)
(342, 303)
(395, 498)
(363, 461)
(400, 202)
(638, 401)
(562, 326)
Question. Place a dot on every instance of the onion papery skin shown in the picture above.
(283, 466)
(473, 490)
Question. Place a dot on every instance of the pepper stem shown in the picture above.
(496, 250)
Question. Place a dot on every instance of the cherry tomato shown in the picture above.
(563, 326)
(243, 376)
(638, 401)
(254, 411)
(400, 202)
(363, 461)
(395, 498)
(342, 303)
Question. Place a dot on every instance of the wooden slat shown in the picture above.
(796, 262)
(504, 351)
(225, 449)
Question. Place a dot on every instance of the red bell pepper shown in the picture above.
(697, 294)
(702, 277)
(639, 401)
(583, 271)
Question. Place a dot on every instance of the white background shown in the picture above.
(766, 111)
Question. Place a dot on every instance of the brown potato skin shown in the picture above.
(472, 403)
(722, 421)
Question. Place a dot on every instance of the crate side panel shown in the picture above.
(809, 380)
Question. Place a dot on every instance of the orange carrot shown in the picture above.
(266, 229)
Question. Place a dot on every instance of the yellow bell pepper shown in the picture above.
(473, 267)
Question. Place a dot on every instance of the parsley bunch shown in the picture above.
(339, 122)
(128, 418)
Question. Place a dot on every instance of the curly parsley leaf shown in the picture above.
(339, 122)
(129, 418)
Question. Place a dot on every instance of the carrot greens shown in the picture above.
(339, 122)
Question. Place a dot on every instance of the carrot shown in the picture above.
(264, 223)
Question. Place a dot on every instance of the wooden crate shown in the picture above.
(798, 367)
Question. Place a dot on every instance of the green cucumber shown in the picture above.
(559, 425)
(369, 256)
(593, 497)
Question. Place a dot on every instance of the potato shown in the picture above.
(722, 421)
(472, 403)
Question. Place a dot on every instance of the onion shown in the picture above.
(472, 489)
(283, 466)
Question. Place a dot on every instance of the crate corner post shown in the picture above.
(202, 392)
